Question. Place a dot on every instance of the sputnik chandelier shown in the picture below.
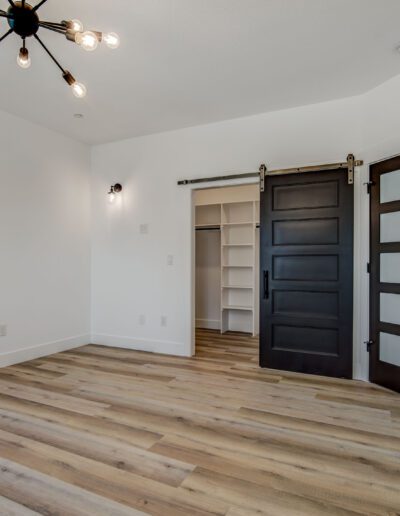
(24, 21)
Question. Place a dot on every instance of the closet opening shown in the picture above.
(227, 269)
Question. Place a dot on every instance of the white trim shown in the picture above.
(361, 276)
(41, 350)
(190, 330)
(209, 324)
(140, 344)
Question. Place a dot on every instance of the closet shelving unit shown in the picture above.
(238, 222)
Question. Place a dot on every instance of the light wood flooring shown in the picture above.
(100, 431)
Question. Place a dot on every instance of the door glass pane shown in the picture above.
(390, 268)
(389, 349)
(390, 308)
(390, 227)
(390, 186)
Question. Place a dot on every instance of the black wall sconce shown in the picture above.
(115, 189)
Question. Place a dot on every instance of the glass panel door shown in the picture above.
(389, 351)
(390, 187)
(385, 274)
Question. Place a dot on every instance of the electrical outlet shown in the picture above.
(164, 320)
(3, 330)
(144, 229)
(170, 260)
(142, 320)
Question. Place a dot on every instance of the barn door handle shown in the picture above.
(266, 285)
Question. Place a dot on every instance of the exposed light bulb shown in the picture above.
(79, 90)
(76, 25)
(87, 40)
(23, 59)
(111, 197)
(111, 40)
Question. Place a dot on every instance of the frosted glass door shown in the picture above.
(385, 273)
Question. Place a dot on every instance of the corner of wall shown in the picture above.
(42, 350)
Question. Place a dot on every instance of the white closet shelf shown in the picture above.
(250, 223)
(239, 287)
(237, 245)
(238, 266)
(210, 225)
(238, 307)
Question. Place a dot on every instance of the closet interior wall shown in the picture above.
(227, 258)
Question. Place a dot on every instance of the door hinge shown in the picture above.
(369, 344)
(263, 170)
(368, 268)
(369, 185)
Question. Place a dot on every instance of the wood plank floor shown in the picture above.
(101, 431)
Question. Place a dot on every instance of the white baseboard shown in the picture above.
(152, 346)
(208, 324)
(41, 350)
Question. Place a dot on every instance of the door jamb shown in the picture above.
(192, 190)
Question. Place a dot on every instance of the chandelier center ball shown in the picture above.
(24, 21)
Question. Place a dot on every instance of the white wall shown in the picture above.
(45, 269)
(130, 275)
(44, 241)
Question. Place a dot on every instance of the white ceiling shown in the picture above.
(189, 62)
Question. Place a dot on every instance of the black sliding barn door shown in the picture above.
(306, 309)
(385, 274)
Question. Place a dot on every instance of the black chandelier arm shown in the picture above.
(11, 3)
(38, 6)
(49, 53)
(54, 29)
(6, 15)
(6, 34)
(54, 24)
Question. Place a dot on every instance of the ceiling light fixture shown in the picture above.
(25, 23)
